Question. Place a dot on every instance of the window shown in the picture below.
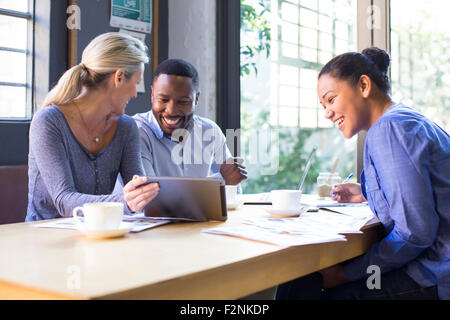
(16, 58)
(420, 71)
(284, 44)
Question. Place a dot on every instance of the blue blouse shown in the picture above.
(406, 180)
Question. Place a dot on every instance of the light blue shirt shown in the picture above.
(198, 154)
(406, 180)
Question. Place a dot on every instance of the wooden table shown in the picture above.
(175, 261)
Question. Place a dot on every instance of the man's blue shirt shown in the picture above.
(406, 180)
(199, 153)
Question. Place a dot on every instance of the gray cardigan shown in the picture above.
(63, 174)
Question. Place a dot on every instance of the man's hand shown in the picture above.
(233, 171)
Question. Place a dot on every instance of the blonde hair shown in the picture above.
(103, 56)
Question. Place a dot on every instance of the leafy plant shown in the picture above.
(292, 158)
(254, 21)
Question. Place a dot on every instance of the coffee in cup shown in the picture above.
(100, 215)
(286, 199)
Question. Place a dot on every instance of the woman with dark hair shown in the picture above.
(406, 181)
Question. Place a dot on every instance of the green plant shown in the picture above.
(292, 158)
(253, 21)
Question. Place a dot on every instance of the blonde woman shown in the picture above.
(80, 139)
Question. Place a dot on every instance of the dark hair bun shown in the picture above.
(379, 57)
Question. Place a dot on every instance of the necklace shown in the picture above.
(96, 139)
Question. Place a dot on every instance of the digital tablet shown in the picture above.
(192, 199)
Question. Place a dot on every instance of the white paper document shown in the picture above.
(311, 227)
(139, 223)
(265, 235)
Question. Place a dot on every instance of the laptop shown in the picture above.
(188, 199)
(264, 198)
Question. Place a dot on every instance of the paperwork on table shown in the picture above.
(140, 223)
(309, 199)
(309, 228)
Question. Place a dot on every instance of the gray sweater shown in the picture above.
(63, 174)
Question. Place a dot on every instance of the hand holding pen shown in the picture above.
(348, 192)
(348, 178)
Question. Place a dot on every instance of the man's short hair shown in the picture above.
(177, 67)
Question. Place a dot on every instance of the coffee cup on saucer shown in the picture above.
(100, 215)
(286, 200)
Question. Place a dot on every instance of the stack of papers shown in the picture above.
(309, 228)
(278, 238)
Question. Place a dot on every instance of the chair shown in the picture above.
(13, 193)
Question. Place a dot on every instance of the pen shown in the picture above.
(346, 180)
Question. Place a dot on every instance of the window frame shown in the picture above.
(29, 52)
(228, 57)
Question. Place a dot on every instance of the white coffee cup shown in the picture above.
(100, 215)
(286, 199)
(231, 192)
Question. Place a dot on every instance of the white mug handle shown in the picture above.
(75, 213)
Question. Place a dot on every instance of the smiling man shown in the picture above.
(176, 142)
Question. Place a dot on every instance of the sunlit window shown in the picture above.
(16, 25)
(278, 86)
(420, 72)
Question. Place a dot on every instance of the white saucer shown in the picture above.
(124, 228)
(286, 213)
(234, 205)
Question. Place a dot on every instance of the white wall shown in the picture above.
(192, 36)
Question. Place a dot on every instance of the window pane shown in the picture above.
(13, 32)
(304, 37)
(289, 12)
(325, 23)
(308, 118)
(309, 4)
(12, 102)
(324, 57)
(308, 18)
(17, 5)
(288, 96)
(420, 68)
(326, 42)
(308, 78)
(288, 75)
(289, 33)
(308, 54)
(288, 117)
(308, 98)
(13, 67)
(326, 7)
(308, 37)
(289, 50)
